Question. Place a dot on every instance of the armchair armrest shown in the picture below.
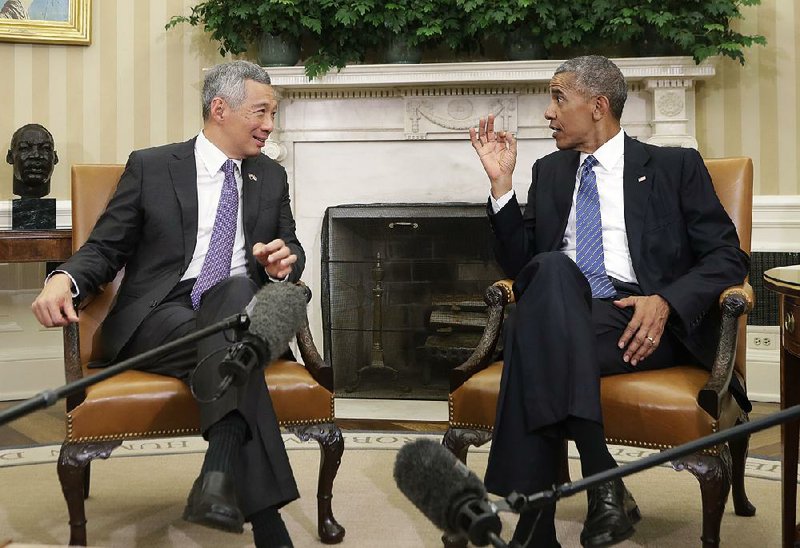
(316, 366)
(497, 296)
(734, 302)
(72, 353)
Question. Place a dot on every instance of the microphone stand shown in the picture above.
(518, 502)
(46, 398)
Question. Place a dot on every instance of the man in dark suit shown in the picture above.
(618, 261)
(199, 227)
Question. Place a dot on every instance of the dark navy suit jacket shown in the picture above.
(683, 245)
(150, 228)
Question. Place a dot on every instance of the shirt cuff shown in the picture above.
(285, 278)
(75, 291)
(500, 202)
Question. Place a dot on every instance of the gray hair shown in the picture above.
(597, 75)
(226, 81)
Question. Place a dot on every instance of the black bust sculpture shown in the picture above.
(33, 155)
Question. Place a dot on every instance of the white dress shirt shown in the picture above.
(608, 171)
(209, 160)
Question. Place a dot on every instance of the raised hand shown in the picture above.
(497, 152)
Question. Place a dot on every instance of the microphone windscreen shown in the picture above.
(277, 311)
(434, 480)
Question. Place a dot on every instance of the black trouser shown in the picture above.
(263, 474)
(558, 343)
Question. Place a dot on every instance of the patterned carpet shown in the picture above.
(138, 496)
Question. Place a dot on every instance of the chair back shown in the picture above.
(733, 182)
(92, 188)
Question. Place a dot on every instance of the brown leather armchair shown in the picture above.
(135, 404)
(652, 409)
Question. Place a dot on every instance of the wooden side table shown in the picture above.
(26, 246)
(785, 281)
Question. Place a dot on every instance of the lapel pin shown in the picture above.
(642, 178)
(254, 178)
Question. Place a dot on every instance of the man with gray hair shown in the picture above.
(199, 227)
(624, 248)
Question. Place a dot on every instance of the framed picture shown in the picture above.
(46, 21)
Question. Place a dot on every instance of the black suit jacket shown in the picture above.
(683, 245)
(150, 228)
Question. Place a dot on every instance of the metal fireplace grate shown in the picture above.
(402, 295)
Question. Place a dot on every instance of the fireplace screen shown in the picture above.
(402, 295)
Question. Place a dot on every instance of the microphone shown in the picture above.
(447, 492)
(274, 315)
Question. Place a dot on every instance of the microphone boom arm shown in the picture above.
(518, 502)
(46, 398)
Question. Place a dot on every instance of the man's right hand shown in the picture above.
(53, 307)
(498, 154)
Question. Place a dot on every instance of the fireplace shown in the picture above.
(402, 288)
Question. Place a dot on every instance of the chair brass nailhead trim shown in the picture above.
(614, 441)
(304, 422)
(177, 431)
(505, 288)
(471, 426)
(457, 424)
(714, 451)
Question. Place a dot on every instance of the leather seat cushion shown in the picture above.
(139, 404)
(474, 403)
(659, 408)
(648, 409)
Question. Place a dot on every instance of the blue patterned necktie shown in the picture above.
(217, 264)
(589, 233)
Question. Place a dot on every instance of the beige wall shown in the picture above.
(137, 85)
(755, 110)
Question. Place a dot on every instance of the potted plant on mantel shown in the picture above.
(335, 33)
(273, 28)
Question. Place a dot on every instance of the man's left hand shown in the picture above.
(276, 258)
(644, 331)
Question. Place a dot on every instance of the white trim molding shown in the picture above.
(776, 223)
(488, 72)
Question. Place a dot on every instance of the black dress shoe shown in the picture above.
(611, 516)
(212, 502)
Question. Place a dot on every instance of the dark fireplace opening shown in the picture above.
(402, 295)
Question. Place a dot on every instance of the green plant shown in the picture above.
(700, 28)
(338, 32)
(238, 25)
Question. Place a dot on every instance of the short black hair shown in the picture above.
(598, 75)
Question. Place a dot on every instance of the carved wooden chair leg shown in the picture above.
(458, 440)
(72, 468)
(714, 475)
(741, 504)
(331, 445)
(87, 479)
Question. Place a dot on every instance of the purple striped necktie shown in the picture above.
(217, 264)
(589, 233)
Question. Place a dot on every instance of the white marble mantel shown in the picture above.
(399, 133)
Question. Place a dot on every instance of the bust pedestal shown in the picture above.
(33, 214)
